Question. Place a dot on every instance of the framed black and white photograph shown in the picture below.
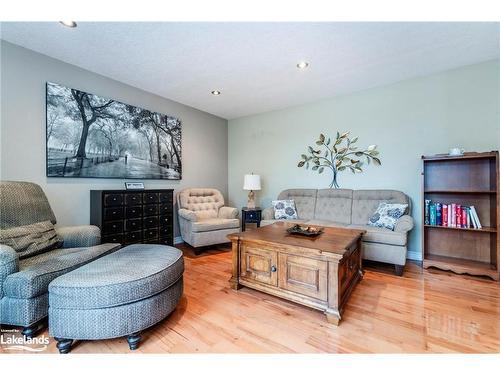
(91, 136)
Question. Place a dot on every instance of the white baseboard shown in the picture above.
(178, 240)
(414, 255)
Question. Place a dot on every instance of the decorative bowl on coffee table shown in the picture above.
(305, 230)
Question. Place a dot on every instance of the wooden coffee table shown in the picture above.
(319, 272)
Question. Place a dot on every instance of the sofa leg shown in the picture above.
(64, 345)
(197, 251)
(133, 340)
(31, 331)
(399, 269)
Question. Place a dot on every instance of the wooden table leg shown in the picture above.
(333, 317)
(236, 265)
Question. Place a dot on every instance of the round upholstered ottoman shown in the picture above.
(117, 295)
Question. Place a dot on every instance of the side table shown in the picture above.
(250, 215)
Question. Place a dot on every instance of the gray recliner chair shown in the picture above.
(24, 281)
(203, 219)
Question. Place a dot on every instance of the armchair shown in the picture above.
(203, 218)
(24, 280)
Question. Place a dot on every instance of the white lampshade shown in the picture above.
(251, 182)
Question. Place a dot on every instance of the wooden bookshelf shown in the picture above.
(468, 180)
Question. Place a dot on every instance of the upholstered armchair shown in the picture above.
(24, 279)
(203, 218)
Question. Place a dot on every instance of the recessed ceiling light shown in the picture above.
(302, 64)
(68, 23)
(216, 92)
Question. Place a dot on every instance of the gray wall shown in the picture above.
(417, 117)
(22, 132)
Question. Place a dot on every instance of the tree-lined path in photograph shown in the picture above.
(91, 136)
(133, 168)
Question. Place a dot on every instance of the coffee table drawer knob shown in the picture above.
(273, 268)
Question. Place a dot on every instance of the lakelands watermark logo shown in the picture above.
(11, 340)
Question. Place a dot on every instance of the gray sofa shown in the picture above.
(352, 209)
(24, 282)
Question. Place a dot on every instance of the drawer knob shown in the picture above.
(114, 212)
(273, 268)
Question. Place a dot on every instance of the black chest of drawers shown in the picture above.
(133, 216)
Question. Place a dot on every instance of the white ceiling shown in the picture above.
(253, 64)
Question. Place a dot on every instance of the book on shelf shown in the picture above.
(427, 204)
(465, 217)
(432, 214)
(458, 214)
(451, 215)
(444, 215)
(476, 218)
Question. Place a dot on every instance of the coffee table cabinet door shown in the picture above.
(303, 275)
(259, 265)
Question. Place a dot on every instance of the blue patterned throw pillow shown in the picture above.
(387, 214)
(284, 209)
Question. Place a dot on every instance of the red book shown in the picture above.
(464, 217)
(453, 216)
(458, 214)
(445, 215)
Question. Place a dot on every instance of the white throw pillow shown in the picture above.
(284, 209)
(387, 214)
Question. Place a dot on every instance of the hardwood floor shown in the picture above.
(423, 311)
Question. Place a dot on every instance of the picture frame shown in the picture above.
(90, 136)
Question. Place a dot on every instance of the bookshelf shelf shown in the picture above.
(468, 180)
(483, 229)
(467, 155)
(460, 192)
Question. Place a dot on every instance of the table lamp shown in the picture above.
(251, 182)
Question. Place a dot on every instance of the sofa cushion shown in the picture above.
(35, 273)
(387, 214)
(284, 209)
(325, 223)
(365, 202)
(204, 202)
(381, 235)
(31, 239)
(207, 225)
(23, 203)
(334, 205)
(131, 274)
(305, 201)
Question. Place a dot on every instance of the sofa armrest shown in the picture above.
(228, 213)
(404, 224)
(188, 214)
(80, 236)
(9, 263)
(268, 213)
